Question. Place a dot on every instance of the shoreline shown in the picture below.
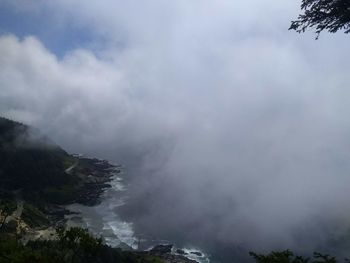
(102, 220)
(100, 217)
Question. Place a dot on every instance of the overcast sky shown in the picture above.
(239, 128)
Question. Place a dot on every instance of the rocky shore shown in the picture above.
(96, 176)
(165, 253)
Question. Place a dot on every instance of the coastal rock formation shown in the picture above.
(164, 252)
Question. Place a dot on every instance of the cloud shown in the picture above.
(234, 130)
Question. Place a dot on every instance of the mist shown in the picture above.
(233, 131)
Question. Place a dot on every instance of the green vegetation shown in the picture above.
(288, 257)
(72, 245)
(29, 161)
(35, 167)
(68, 161)
(33, 216)
(60, 195)
(66, 246)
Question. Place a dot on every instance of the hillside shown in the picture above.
(39, 170)
(29, 160)
(37, 179)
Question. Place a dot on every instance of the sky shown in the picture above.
(234, 130)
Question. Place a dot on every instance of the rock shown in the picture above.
(166, 257)
(181, 252)
(197, 253)
(161, 249)
(170, 258)
(125, 247)
(164, 252)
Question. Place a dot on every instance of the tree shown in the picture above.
(279, 257)
(329, 15)
(288, 256)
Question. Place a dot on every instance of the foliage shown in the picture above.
(72, 245)
(329, 15)
(60, 195)
(34, 164)
(68, 161)
(34, 169)
(288, 257)
(28, 159)
(33, 216)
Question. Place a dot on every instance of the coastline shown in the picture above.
(44, 189)
(102, 220)
(100, 217)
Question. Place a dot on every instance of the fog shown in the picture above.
(233, 130)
